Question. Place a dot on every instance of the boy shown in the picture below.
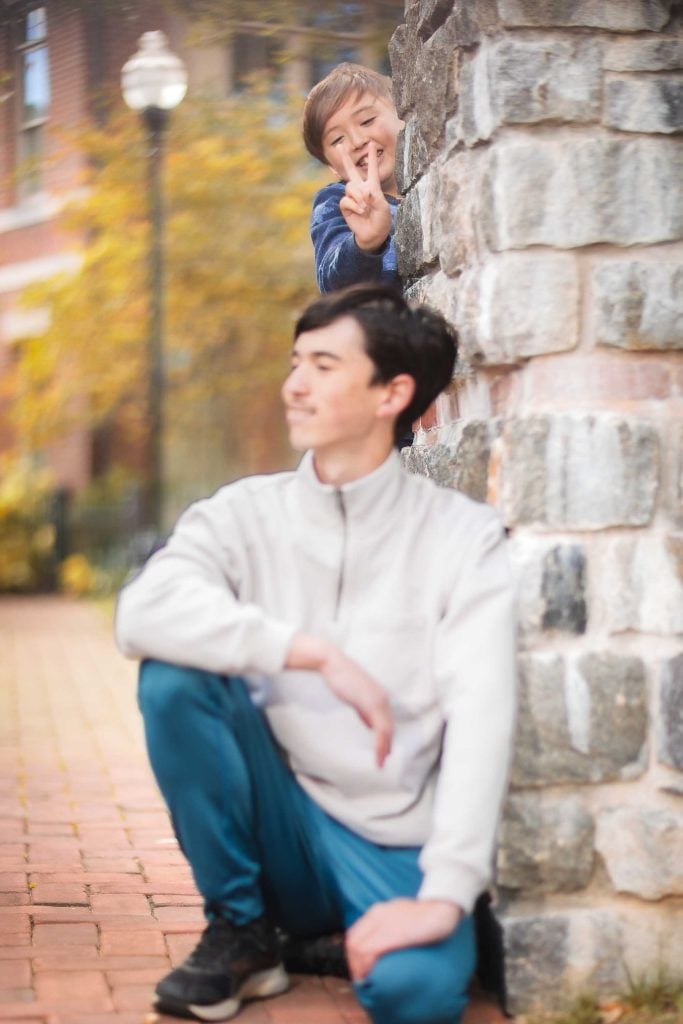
(372, 612)
(350, 124)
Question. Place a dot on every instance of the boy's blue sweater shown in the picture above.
(338, 260)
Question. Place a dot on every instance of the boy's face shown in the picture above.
(363, 118)
(329, 400)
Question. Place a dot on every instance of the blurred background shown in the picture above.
(151, 267)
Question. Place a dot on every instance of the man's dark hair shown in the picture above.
(398, 339)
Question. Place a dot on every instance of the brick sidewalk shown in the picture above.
(97, 901)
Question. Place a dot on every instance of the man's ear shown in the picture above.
(399, 393)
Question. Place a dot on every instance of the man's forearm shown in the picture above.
(349, 682)
(307, 652)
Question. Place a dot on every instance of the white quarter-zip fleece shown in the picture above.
(409, 579)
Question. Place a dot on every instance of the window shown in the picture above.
(337, 23)
(254, 53)
(34, 97)
(304, 52)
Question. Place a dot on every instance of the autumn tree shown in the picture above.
(238, 267)
(316, 28)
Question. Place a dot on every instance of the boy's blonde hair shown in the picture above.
(327, 96)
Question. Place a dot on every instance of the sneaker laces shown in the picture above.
(217, 942)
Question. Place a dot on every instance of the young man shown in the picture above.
(350, 124)
(330, 709)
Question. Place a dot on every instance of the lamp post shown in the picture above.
(154, 81)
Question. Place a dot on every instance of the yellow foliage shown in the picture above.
(78, 578)
(26, 538)
(238, 188)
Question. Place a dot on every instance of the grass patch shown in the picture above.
(657, 1000)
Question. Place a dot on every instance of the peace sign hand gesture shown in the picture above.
(364, 206)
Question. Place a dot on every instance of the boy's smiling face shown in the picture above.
(363, 118)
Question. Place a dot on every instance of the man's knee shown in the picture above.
(166, 689)
(421, 985)
(175, 694)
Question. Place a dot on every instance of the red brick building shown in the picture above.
(57, 60)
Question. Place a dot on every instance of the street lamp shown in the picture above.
(153, 82)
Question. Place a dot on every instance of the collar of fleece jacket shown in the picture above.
(371, 498)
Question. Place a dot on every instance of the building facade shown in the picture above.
(58, 61)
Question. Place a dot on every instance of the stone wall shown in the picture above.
(542, 168)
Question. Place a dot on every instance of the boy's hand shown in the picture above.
(396, 924)
(364, 207)
(350, 683)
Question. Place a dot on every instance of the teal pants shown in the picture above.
(257, 843)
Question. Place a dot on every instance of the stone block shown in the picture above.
(644, 104)
(671, 713)
(415, 228)
(601, 377)
(552, 586)
(463, 464)
(433, 82)
(437, 291)
(563, 589)
(643, 55)
(642, 584)
(412, 159)
(638, 305)
(424, 54)
(613, 15)
(579, 472)
(476, 119)
(428, 192)
(431, 16)
(641, 848)
(583, 948)
(546, 192)
(653, 938)
(558, 80)
(456, 221)
(545, 847)
(596, 953)
(403, 50)
(527, 82)
(564, 707)
(408, 236)
(497, 329)
(673, 490)
(536, 959)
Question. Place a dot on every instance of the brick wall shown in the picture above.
(542, 165)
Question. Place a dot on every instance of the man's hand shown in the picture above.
(364, 207)
(396, 924)
(350, 683)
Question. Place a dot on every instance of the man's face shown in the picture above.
(363, 118)
(329, 400)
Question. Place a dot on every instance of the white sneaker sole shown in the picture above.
(257, 986)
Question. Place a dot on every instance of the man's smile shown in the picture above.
(295, 413)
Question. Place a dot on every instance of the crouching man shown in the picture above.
(327, 686)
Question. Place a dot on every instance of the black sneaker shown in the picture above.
(321, 954)
(231, 963)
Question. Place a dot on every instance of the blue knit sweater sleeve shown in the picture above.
(338, 260)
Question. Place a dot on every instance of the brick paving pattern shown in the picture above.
(96, 900)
